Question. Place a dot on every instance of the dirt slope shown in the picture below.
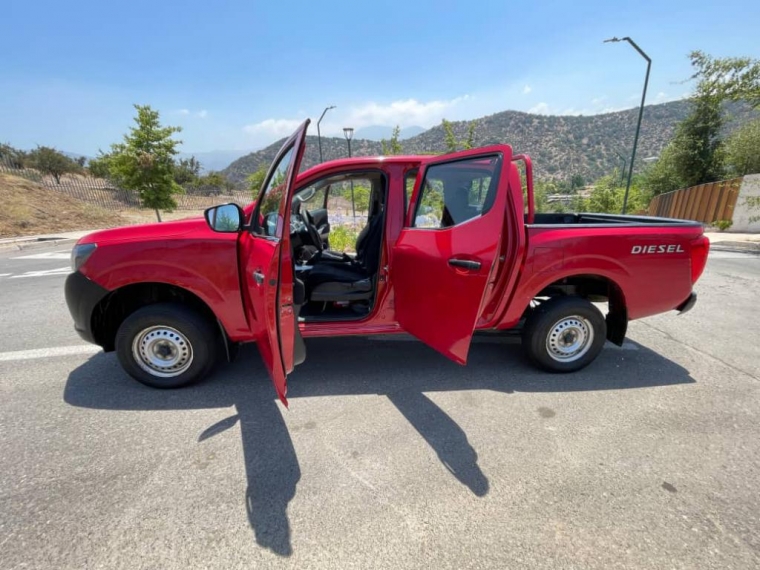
(26, 208)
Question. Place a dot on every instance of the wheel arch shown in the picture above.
(111, 311)
(593, 287)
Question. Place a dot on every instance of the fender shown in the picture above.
(549, 266)
(211, 275)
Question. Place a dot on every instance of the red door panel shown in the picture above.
(444, 256)
(266, 261)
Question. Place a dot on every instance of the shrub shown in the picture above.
(722, 225)
(343, 238)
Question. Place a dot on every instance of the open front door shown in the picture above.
(266, 262)
(445, 254)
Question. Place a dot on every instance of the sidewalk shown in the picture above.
(28, 242)
(725, 241)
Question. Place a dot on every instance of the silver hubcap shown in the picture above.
(569, 339)
(162, 351)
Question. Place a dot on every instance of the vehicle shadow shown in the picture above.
(401, 370)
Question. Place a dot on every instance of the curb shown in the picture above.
(736, 246)
(34, 243)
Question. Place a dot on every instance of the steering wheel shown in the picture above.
(312, 230)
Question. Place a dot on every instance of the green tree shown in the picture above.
(448, 136)
(99, 166)
(450, 139)
(469, 142)
(256, 181)
(215, 179)
(394, 146)
(727, 78)
(743, 150)
(187, 170)
(12, 157)
(144, 162)
(662, 176)
(607, 195)
(698, 154)
(361, 197)
(577, 182)
(49, 161)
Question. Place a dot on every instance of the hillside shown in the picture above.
(561, 146)
(29, 208)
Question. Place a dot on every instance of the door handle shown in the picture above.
(465, 263)
(258, 276)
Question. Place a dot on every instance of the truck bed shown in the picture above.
(596, 220)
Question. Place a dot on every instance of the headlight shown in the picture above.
(80, 253)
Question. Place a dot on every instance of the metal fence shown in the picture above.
(104, 193)
(705, 203)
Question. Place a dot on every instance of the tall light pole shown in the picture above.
(641, 112)
(625, 162)
(319, 135)
(348, 132)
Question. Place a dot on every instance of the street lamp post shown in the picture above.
(319, 134)
(348, 132)
(641, 112)
(625, 162)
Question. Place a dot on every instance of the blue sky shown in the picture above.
(240, 74)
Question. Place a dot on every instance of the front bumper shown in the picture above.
(82, 296)
(688, 304)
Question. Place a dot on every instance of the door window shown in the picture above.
(456, 192)
(265, 223)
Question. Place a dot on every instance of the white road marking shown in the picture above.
(59, 271)
(48, 352)
(48, 255)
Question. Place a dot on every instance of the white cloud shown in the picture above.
(403, 112)
(598, 100)
(527, 89)
(183, 111)
(203, 113)
(276, 127)
(540, 109)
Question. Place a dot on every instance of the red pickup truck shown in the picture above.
(451, 246)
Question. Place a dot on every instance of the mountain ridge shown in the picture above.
(560, 145)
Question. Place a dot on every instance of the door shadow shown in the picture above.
(401, 370)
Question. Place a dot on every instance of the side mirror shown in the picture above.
(226, 218)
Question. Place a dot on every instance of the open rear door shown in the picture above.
(266, 261)
(444, 255)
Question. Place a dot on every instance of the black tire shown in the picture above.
(566, 320)
(178, 333)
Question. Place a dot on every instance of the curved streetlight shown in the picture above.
(641, 112)
(348, 132)
(319, 135)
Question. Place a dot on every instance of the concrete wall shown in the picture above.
(746, 216)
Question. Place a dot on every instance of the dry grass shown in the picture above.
(27, 208)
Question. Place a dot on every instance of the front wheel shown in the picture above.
(564, 334)
(166, 345)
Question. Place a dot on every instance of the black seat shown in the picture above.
(345, 278)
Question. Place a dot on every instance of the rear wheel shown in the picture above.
(166, 345)
(564, 334)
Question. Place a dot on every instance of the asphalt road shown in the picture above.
(390, 456)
